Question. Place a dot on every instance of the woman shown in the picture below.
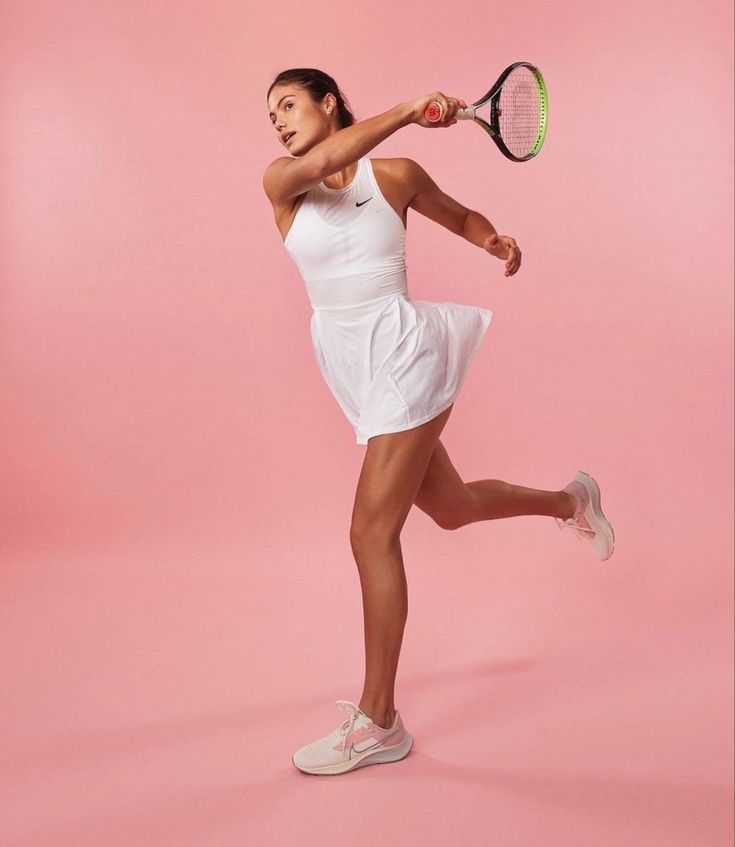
(393, 364)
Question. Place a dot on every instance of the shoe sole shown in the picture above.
(602, 524)
(369, 757)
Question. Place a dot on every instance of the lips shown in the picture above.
(288, 136)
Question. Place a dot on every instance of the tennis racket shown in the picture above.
(518, 112)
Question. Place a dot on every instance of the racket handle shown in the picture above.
(435, 111)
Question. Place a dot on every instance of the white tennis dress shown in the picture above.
(391, 363)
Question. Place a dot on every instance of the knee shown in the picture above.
(458, 513)
(445, 522)
(372, 535)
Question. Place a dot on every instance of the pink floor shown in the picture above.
(154, 694)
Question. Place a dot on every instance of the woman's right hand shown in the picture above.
(449, 104)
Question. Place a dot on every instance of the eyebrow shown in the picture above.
(270, 114)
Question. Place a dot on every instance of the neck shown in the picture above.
(342, 178)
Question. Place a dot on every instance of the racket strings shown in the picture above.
(521, 111)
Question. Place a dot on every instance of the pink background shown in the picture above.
(180, 606)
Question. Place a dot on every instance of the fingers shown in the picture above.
(447, 114)
(496, 245)
(513, 261)
(452, 105)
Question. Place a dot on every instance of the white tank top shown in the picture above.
(349, 243)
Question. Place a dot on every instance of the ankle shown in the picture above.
(385, 721)
(570, 505)
(382, 717)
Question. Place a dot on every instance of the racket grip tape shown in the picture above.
(435, 112)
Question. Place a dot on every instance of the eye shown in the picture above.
(287, 104)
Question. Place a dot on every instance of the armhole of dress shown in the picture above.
(296, 215)
(376, 185)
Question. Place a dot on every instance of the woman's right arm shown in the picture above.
(351, 143)
(287, 178)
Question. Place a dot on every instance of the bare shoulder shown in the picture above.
(409, 174)
(405, 176)
(423, 195)
(408, 185)
(287, 177)
(272, 171)
(399, 168)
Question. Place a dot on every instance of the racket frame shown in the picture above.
(493, 127)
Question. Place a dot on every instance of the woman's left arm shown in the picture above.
(429, 200)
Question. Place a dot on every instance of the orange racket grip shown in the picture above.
(434, 112)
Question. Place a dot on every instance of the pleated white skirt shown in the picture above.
(395, 363)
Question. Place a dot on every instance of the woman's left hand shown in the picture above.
(504, 247)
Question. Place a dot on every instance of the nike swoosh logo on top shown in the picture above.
(363, 202)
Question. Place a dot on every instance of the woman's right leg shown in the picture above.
(452, 503)
(392, 470)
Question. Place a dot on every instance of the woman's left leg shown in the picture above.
(452, 503)
(392, 471)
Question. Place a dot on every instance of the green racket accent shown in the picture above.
(520, 113)
(524, 91)
(544, 112)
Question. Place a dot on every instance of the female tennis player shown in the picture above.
(394, 365)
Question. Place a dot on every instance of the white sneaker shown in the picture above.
(354, 744)
(588, 522)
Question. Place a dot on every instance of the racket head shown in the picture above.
(519, 111)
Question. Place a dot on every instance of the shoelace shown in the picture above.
(343, 732)
(578, 530)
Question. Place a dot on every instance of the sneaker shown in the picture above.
(354, 744)
(588, 522)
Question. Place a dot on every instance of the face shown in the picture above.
(293, 111)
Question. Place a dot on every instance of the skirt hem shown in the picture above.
(487, 319)
(406, 426)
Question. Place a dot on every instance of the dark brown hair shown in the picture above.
(318, 84)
